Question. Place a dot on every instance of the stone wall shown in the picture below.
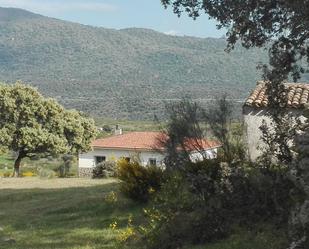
(85, 172)
(253, 119)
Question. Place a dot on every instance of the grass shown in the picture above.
(60, 213)
(128, 125)
(265, 237)
(76, 213)
(6, 161)
(33, 165)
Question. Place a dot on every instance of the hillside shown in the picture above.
(126, 73)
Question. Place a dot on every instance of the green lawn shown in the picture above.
(67, 213)
(6, 160)
(77, 213)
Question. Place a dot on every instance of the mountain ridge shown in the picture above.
(127, 73)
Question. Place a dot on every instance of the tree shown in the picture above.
(281, 26)
(182, 133)
(219, 117)
(31, 124)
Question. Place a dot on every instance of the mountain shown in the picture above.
(127, 73)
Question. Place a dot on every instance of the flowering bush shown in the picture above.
(138, 182)
(28, 174)
(123, 234)
(111, 197)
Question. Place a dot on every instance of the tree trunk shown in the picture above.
(17, 165)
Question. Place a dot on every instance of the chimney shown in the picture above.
(118, 131)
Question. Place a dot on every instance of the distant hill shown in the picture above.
(125, 73)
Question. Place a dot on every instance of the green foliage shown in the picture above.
(121, 74)
(179, 216)
(69, 213)
(46, 173)
(219, 117)
(6, 160)
(104, 169)
(65, 167)
(139, 182)
(209, 179)
(183, 133)
(261, 236)
(207, 199)
(31, 124)
(83, 220)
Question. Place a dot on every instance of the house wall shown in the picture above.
(210, 154)
(253, 118)
(87, 160)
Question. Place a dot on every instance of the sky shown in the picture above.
(120, 14)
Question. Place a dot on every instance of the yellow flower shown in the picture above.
(113, 225)
(151, 190)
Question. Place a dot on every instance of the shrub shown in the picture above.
(46, 173)
(7, 174)
(271, 192)
(208, 179)
(139, 182)
(27, 171)
(207, 199)
(27, 174)
(188, 210)
(104, 169)
(64, 168)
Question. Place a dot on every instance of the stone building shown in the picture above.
(256, 108)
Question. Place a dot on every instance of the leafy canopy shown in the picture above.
(30, 123)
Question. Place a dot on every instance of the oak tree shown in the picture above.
(31, 124)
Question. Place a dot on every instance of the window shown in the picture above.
(152, 161)
(127, 159)
(99, 159)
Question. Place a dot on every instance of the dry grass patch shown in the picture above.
(56, 183)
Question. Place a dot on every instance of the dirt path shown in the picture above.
(56, 183)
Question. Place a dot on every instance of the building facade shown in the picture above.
(142, 145)
(256, 110)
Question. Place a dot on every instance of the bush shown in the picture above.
(189, 208)
(7, 174)
(27, 171)
(138, 182)
(64, 168)
(46, 173)
(207, 199)
(104, 169)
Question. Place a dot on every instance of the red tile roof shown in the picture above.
(142, 141)
(297, 95)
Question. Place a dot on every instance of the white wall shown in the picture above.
(209, 154)
(87, 160)
(253, 119)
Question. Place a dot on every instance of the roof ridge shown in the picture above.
(138, 140)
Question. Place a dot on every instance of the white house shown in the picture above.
(256, 108)
(141, 144)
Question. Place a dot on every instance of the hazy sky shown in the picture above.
(120, 14)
